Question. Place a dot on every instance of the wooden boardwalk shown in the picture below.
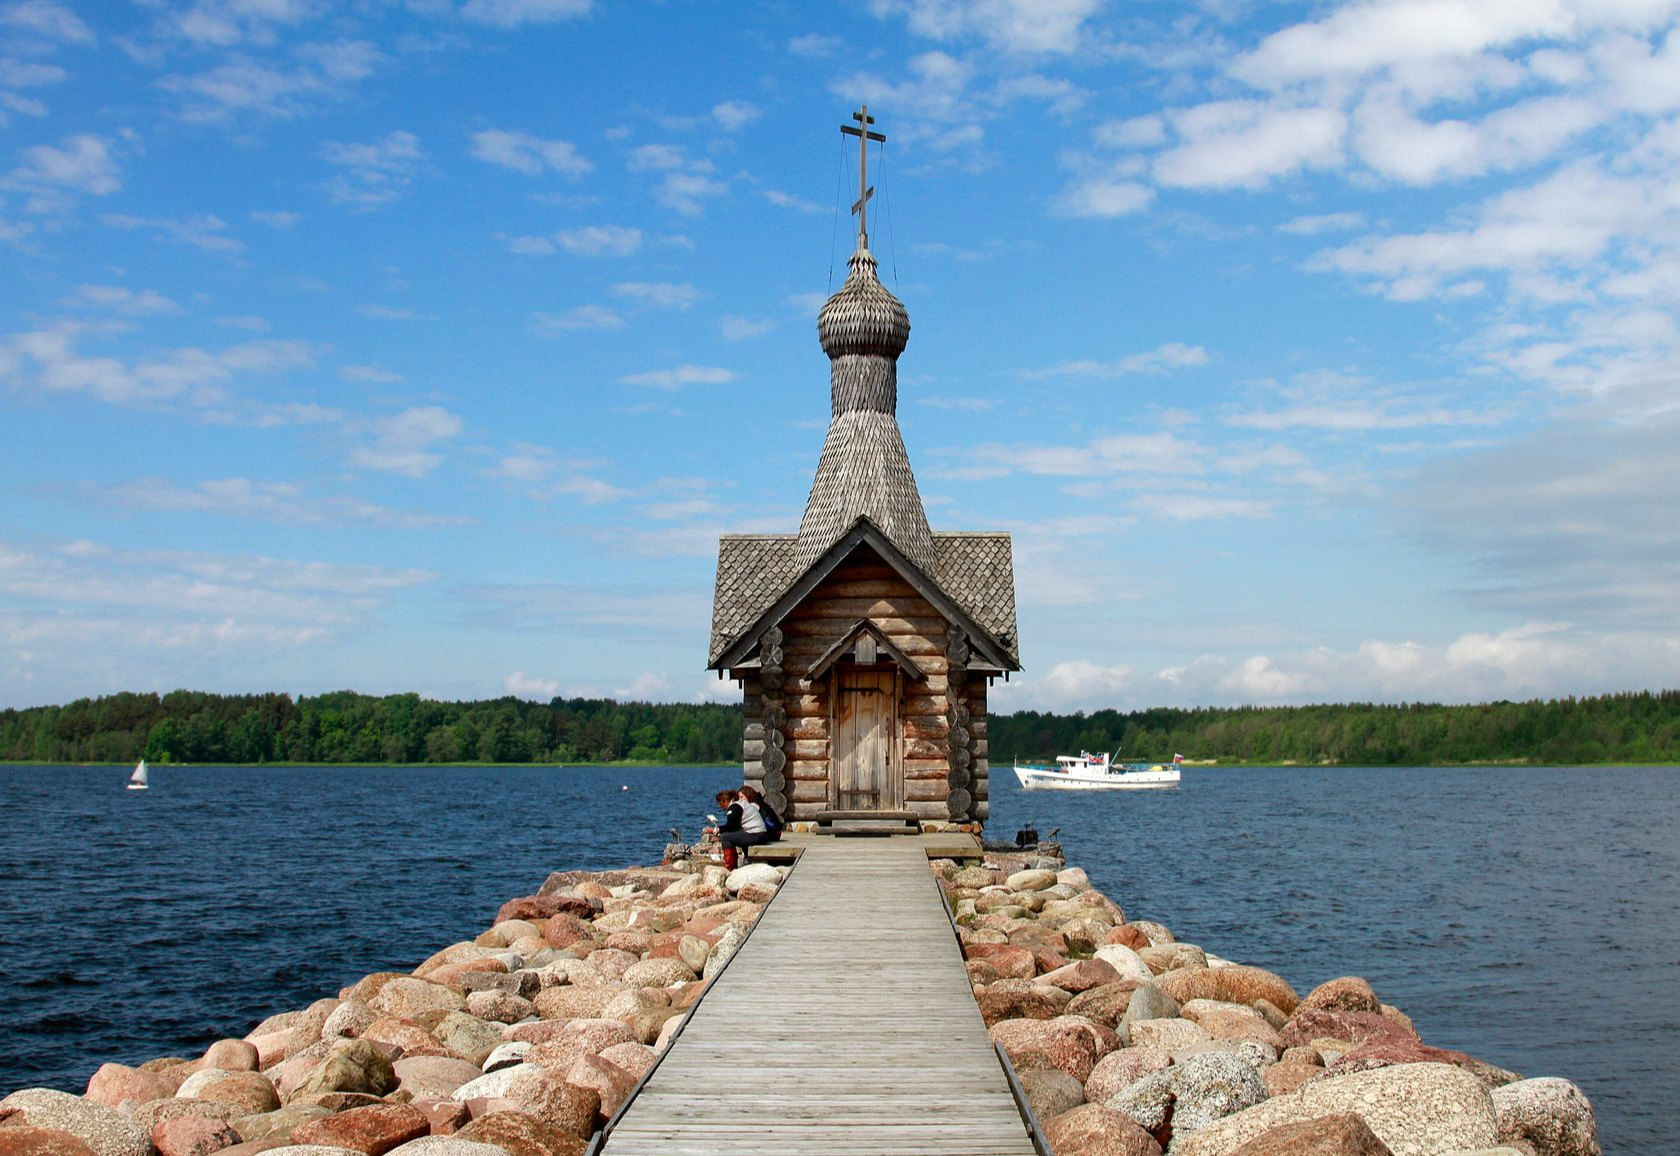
(845, 1024)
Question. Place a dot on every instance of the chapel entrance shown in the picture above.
(866, 772)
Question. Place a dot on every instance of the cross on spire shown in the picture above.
(865, 192)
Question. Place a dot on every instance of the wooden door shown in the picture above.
(865, 755)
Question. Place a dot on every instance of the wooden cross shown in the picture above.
(864, 135)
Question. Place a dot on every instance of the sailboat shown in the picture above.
(137, 781)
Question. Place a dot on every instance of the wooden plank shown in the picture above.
(876, 1044)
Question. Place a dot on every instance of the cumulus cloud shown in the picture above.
(1530, 660)
(579, 317)
(49, 360)
(202, 231)
(1163, 358)
(405, 443)
(373, 173)
(531, 686)
(82, 163)
(284, 503)
(529, 154)
(680, 376)
(279, 89)
(1056, 27)
(659, 294)
(515, 13)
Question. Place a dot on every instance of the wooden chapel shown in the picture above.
(865, 643)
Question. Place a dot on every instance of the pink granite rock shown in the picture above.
(565, 930)
(521, 1134)
(1120, 1069)
(1235, 984)
(532, 907)
(1339, 1134)
(609, 1081)
(546, 1095)
(999, 1003)
(374, 1130)
(581, 1037)
(1011, 962)
(23, 1140)
(1064, 1045)
(1349, 993)
(113, 1084)
(231, 1056)
(636, 1059)
(1081, 976)
(443, 1116)
(433, 1077)
(1093, 1130)
(193, 1136)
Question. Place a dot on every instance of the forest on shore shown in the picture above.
(346, 727)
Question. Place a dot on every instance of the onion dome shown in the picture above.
(863, 317)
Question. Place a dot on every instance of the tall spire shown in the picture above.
(864, 470)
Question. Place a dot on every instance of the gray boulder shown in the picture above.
(1147, 1003)
(1551, 1114)
(106, 1131)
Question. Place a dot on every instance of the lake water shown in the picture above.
(1528, 916)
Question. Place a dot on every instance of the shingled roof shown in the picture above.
(754, 570)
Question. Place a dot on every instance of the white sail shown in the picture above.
(138, 779)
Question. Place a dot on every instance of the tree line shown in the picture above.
(1639, 727)
(345, 727)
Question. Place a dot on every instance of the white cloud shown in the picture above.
(125, 301)
(530, 686)
(581, 317)
(1163, 358)
(375, 173)
(1365, 37)
(285, 503)
(404, 443)
(48, 19)
(529, 154)
(789, 201)
(203, 231)
(275, 218)
(1247, 143)
(648, 686)
(279, 90)
(659, 294)
(1311, 226)
(734, 115)
(514, 13)
(599, 240)
(369, 374)
(82, 163)
(1012, 26)
(741, 328)
(48, 360)
(680, 376)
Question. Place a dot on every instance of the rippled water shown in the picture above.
(1527, 916)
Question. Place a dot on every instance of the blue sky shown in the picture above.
(1310, 352)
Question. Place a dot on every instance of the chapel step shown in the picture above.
(869, 823)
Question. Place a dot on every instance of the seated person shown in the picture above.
(742, 826)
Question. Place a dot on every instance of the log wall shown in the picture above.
(787, 748)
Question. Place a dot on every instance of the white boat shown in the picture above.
(1088, 772)
(138, 780)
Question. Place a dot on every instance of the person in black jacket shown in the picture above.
(743, 826)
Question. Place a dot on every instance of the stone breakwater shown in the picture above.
(1128, 1042)
(521, 1042)
(524, 1041)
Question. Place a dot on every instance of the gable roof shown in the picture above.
(973, 584)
